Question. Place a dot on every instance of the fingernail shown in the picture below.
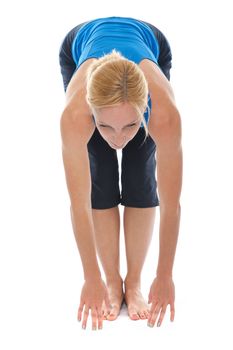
(158, 325)
(83, 326)
(94, 328)
(150, 325)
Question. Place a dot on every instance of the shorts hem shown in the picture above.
(140, 205)
(107, 206)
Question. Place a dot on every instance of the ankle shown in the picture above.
(132, 282)
(114, 279)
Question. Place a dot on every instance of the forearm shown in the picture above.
(169, 184)
(168, 236)
(83, 228)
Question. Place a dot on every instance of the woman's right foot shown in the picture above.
(116, 297)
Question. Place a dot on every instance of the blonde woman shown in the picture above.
(116, 73)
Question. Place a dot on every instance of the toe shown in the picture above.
(142, 315)
(133, 315)
(111, 317)
(105, 314)
(113, 314)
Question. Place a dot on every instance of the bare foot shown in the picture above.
(137, 306)
(116, 297)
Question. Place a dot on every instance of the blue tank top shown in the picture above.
(132, 38)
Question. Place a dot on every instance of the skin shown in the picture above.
(165, 128)
(117, 125)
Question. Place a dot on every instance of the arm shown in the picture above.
(165, 129)
(169, 169)
(77, 127)
(75, 132)
(169, 174)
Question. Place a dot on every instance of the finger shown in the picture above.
(172, 310)
(100, 318)
(161, 316)
(80, 310)
(154, 315)
(94, 318)
(85, 316)
(153, 307)
(107, 302)
(149, 298)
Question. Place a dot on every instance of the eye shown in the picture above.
(106, 126)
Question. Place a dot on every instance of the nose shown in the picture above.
(119, 140)
(119, 143)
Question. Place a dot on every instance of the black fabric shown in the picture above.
(67, 64)
(165, 55)
(139, 185)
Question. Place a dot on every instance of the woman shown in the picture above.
(116, 73)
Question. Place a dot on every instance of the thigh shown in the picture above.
(165, 53)
(67, 64)
(139, 185)
(104, 173)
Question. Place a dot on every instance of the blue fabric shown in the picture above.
(132, 38)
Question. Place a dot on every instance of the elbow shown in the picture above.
(172, 120)
(167, 132)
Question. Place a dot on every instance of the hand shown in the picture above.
(94, 292)
(162, 293)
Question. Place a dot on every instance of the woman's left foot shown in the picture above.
(136, 304)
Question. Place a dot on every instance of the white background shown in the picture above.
(41, 272)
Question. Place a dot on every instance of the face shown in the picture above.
(118, 125)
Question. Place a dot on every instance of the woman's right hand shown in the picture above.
(94, 292)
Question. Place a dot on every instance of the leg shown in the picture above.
(165, 53)
(67, 64)
(138, 229)
(106, 218)
(107, 232)
(139, 195)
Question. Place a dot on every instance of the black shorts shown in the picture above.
(138, 163)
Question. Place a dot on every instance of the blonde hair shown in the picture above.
(112, 80)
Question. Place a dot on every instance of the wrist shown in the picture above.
(164, 275)
(93, 276)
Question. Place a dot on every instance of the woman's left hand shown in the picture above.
(162, 293)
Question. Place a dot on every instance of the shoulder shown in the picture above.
(158, 84)
(76, 90)
(76, 108)
(160, 90)
(164, 112)
(78, 80)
